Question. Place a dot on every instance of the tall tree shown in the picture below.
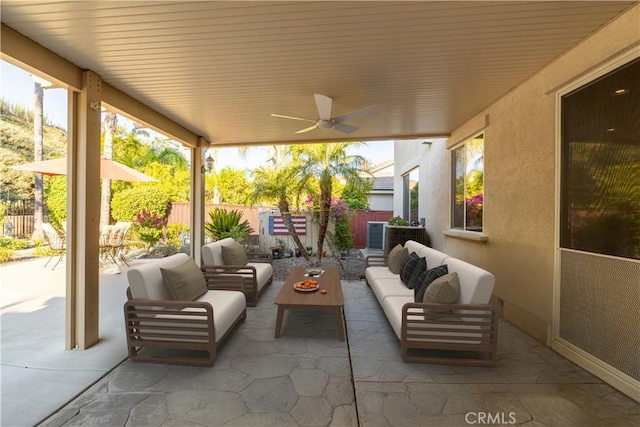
(110, 122)
(323, 162)
(38, 214)
(277, 183)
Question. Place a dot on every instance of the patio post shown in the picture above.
(197, 200)
(81, 328)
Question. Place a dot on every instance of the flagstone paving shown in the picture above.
(308, 377)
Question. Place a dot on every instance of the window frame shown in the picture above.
(464, 232)
(406, 193)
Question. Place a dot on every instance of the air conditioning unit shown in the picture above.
(375, 235)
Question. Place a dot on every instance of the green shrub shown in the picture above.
(127, 204)
(15, 244)
(56, 200)
(174, 233)
(6, 254)
(225, 224)
(342, 236)
(396, 220)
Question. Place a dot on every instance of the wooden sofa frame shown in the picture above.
(218, 276)
(422, 332)
(145, 329)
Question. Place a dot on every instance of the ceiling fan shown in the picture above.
(325, 121)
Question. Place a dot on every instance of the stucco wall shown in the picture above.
(519, 158)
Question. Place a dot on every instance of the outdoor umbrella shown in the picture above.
(109, 169)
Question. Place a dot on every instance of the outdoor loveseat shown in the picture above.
(162, 327)
(463, 332)
(255, 269)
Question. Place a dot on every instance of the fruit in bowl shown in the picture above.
(307, 285)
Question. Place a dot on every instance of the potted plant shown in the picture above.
(398, 221)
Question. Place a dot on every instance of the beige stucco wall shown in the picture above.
(520, 188)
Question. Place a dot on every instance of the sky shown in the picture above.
(17, 85)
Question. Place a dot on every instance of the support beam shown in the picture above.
(70, 340)
(84, 174)
(135, 110)
(197, 203)
(35, 59)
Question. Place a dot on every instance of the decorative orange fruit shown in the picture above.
(323, 291)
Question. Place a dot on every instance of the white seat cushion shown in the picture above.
(434, 258)
(476, 284)
(227, 307)
(381, 272)
(264, 271)
(383, 288)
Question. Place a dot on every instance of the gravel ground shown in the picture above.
(351, 265)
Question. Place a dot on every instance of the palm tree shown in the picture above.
(38, 96)
(110, 122)
(271, 182)
(323, 162)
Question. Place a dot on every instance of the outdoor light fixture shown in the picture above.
(208, 164)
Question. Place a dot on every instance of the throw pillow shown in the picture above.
(417, 272)
(234, 254)
(396, 256)
(407, 266)
(184, 282)
(425, 280)
(443, 290)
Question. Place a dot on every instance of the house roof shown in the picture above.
(383, 183)
(220, 68)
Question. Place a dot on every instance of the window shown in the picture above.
(468, 185)
(410, 196)
(600, 174)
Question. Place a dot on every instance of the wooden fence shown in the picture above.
(180, 213)
(359, 225)
(19, 216)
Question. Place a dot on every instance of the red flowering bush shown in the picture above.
(151, 227)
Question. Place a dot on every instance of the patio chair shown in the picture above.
(163, 326)
(112, 239)
(57, 243)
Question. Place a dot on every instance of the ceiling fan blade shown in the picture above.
(345, 128)
(307, 129)
(358, 114)
(294, 118)
(324, 106)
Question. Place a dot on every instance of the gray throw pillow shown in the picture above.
(184, 282)
(425, 280)
(417, 273)
(234, 254)
(396, 256)
(408, 266)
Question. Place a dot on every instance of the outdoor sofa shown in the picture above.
(163, 329)
(255, 269)
(464, 332)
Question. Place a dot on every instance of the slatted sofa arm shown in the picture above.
(227, 282)
(462, 327)
(260, 257)
(226, 270)
(164, 315)
(376, 261)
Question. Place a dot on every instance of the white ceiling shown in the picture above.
(221, 68)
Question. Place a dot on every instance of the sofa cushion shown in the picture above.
(432, 256)
(184, 282)
(417, 272)
(408, 266)
(396, 256)
(234, 254)
(425, 280)
(264, 272)
(145, 280)
(476, 284)
(379, 272)
(386, 287)
(212, 252)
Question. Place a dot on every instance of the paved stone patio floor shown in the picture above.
(307, 377)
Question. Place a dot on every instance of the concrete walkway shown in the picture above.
(308, 377)
(37, 374)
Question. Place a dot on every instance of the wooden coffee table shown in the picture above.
(333, 300)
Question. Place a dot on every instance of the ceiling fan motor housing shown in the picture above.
(326, 124)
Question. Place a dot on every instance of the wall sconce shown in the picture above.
(208, 164)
